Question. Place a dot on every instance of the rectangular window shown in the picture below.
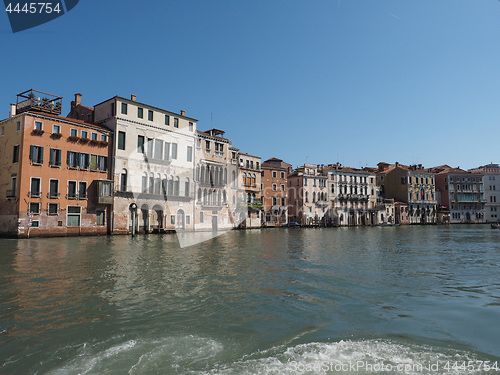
(174, 150)
(283, 201)
(100, 217)
(150, 115)
(124, 108)
(2, 131)
(274, 187)
(105, 189)
(189, 153)
(18, 126)
(82, 190)
(167, 120)
(274, 174)
(140, 144)
(73, 216)
(166, 154)
(121, 140)
(201, 217)
(84, 161)
(71, 190)
(85, 134)
(186, 188)
(35, 187)
(275, 201)
(104, 138)
(113, 112)
(74, 132)
(34, 208)
(172, 219)
(281, 173)
(102, 163)
(93, 163)
(73, 159)
(176, 122)
(13, 183)
(94, 136)
(38, 125)
(53, 208)
(188, 220)
(282, 187)
(15, 154)
(207, 145)
(140, 112)
(149, 148)
(123, 181)
(36, 154)
(56, 129)
(158, 149)
(54, 189)
(191, 126)
(55, 157)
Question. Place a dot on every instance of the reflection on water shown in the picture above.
(247, 301)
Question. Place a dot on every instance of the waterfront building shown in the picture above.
(55, 178)
(401, 215)
(153, 165)
(308, 195)
(216, 182)
(412, 185)
(353, 196)
(275, 192)
(461, 193)
(249, 181)
(491, 186)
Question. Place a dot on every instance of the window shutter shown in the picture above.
(32, 148)
(51, 156)
(41, 155)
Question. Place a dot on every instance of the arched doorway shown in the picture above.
(144, 223)
(180, 222)
(158, 224)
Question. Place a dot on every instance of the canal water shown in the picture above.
(336, 300)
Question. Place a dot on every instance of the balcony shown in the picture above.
(322, 203)
(35, 194)
(33, 100)
(53, 195)
(10, 194)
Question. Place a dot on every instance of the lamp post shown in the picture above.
(133, 208)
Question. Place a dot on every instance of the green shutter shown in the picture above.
(51, 157)
(41, 155)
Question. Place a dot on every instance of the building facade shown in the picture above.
(308, 196)
(412, 185)
(250, 189)
(55, 179)
(153, 165)
(353, 196)
(491, 186)
(216, 183)
(275, 192)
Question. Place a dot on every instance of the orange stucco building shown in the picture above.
(55, 175)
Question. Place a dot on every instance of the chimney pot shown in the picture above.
(12, 110)
(78, 99)
(183, 112)
(133, 97)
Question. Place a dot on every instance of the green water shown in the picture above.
(254, 302)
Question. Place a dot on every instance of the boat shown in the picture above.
(292, 224)
(388, 225)
(495, 225)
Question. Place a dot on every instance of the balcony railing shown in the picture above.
(53, 195)
(11, 194)
(38, 101)
(35, 194)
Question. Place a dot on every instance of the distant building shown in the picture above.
(353, 196)
(216, 180)
(308, 196)
(250, 190)
(55, 171)
(275, 191)
(461, 193)
(412, 185)
(491, 185)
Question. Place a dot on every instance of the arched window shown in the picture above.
(218, 198)
(244, 179)
(176, 186)
(158, 185)
(202, 175)
(123, 180)
(199, 195)
(307, 196)
(225, 176)
(209, 199)
(314, 196)
(253, 198)
(249, 198)
(151, 183)
(253, 179)
(170, 187)
(186, 187)
(164, 184)
(144, 185)
(224, 197)
(205, 197)
(197, 173)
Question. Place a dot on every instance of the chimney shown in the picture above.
(183, 112)
(396, 164)
(133, 97)
(78, 99)
(12, 110)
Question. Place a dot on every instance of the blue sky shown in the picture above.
(354, 81)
